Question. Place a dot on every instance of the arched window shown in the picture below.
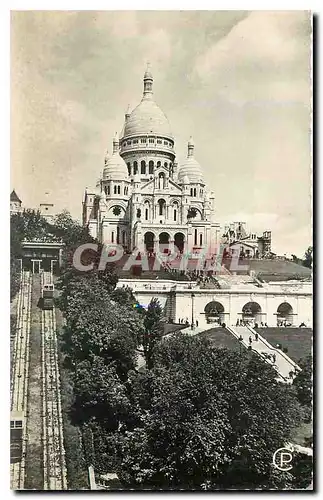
(123, 237)
(129, 168)
(194, 191)
(118, 234)
(143, 167)
(165, 164)
(191, 191)
(151, 167)
(105, 190)
(175, 208)
(112, 237)
(201, 239)
(161, 181)
(119, 190)
(135, 168)
(115, 189)
(146, 207)
(195, 236)
(125, 190)
(158, 164)
(162, 206)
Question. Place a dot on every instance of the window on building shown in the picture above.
(143, 167)
(123, 237)
(165, 164)
(165, 143)
(191, 191)
(194, 192)
(119, 190)
(105, 190)
(151, 141)
(108, 189)
(162, 207)
(129, 143)
(135, 141)
(142, 140)
(161, 181)
(115, 189)
(151, 167)
(129, 168)
(118, 235)
(159, 142)
(135, 167)
(201, 239)
(175, 214)
(158, 164)
(195, 236)
(112, 237)
(146, 214)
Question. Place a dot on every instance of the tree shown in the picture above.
(206, 418)
(153, 330)
(303, 382)
(308, 258)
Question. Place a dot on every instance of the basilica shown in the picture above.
(143, 198)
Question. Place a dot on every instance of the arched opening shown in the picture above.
(195, 236)
(194, 192)
(251, 313)
(191, 191)
(115, 189)
(124, 238)
(143, 167)
(175, 211)
(151, 167)
(129, 168)
(108, 190)
(118, 235)
(149, 241)
(146, 210)
(119, 190)
(201, 239)
(165, 164)
(284, 314)
(135, 168)
(179, 241)
(164, 242)
(214, 312)
(158, 164)
(161, 181)
(105, 189)
(162, 207)
(112, 237)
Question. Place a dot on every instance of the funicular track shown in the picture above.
(52, 431)
(19, 375)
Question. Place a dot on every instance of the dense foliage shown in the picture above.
(206, 419)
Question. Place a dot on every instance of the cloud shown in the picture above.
(261, 56)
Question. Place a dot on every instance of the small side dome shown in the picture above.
(191, 167)
(115, 167)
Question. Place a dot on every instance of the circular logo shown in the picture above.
(282, 459)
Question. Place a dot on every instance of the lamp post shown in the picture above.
(192, 324)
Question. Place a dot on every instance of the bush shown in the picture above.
(285, 349)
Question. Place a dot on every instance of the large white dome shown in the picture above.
(147, 117)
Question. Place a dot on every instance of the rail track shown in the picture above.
(19, 375)
(52, 432)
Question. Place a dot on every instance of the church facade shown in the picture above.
(143, 197)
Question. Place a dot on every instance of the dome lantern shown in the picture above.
(148, 83)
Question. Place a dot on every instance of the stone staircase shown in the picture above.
(283, 365)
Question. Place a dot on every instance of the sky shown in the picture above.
(238, 82)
